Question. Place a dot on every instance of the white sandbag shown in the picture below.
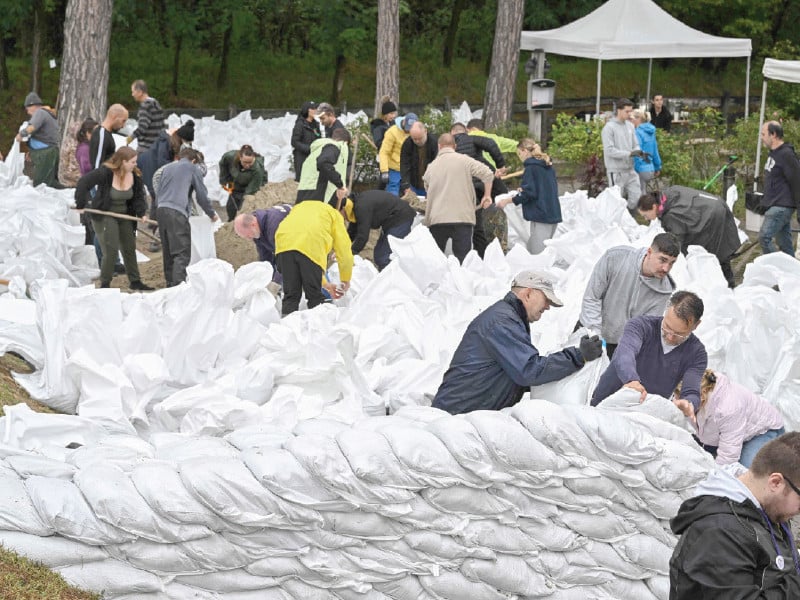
(27, 465)
(17, 511)
(52, 551)
(647, 552)
(681, 466)
(509, 574)
(450, 585)
(110, 577)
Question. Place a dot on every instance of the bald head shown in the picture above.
(246, 225)
(115, 117)
(418, 133)
(446, 140)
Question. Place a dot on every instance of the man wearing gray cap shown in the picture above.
(41, 133)
(496, 360)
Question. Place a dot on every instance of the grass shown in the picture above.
(21, 579)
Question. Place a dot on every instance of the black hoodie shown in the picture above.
(727, 551)
(781, 178)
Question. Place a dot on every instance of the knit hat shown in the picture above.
(186, 131)
(388, 107)
(538, 281)
(33, 99)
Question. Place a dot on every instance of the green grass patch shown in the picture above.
(21, 579)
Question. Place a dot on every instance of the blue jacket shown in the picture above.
(496, 361)
(646, 134)
(268, 221)
(539, 195)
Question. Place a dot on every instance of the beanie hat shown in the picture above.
(388, 107)
(33, 99)
(186, 131)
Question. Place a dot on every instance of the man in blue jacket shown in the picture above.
(496, 360)
(260, 226)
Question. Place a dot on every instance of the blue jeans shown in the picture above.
(382, 250)
(393, 187)
(751, 447)
(777, 224)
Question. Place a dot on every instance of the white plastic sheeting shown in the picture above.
(223, 452)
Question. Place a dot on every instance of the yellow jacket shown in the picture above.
(315, 228)
(389, 155)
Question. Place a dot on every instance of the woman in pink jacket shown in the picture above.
(734, 419)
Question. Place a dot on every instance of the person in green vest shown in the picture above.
(241, 173)
(323, 175)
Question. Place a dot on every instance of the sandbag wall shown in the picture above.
(537, 501)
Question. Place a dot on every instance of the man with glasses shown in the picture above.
(627, 282)
(656, 353)
(736, 541)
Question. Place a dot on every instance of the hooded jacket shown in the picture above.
(729, 549)
(731, 416)
(245, 181)
(646, 135)
(324, 171)
(619, 140)
(496, 361)
(539, 195)
(617, 291)
(698, 218)
(304, 134)
(378, 209)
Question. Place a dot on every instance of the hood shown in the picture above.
(646, 130)
(531, 161)
(716, 495)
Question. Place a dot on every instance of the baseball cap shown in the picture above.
(538, 281)
(409, 120)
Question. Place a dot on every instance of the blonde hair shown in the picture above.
(529, 144)
(640, 115)
(707, 384)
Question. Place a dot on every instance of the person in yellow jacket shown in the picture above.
(389, 154)
(303, 241)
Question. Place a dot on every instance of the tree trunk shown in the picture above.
(505, 59)
(84, 64)
(36, 46)
(387, 65)
(338, 78)
(222, 76)
(176, 62)
(452, 30)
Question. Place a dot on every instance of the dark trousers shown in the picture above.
(382, 250)
(460, 233)
(479, 239)
(176, 244)
(234, 204)
(727, 271)
(116, 235)
(300, 275)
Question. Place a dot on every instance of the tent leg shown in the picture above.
(758, 138)
(747, 91)
(649, 78)
(599, 73)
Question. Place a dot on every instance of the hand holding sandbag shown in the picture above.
(591, 347)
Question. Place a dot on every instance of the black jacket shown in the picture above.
(726, 552)
(303, 134)
(326, 169)
(661, 121)
(103, 177)
(412, 165)
(377, 128)
(474, 147)
(701, 219)
(378, 209)
(781, 178)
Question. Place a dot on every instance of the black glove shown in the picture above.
(385, 178)
(591, 347)
(636, 153)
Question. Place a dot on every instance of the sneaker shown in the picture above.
(154, 247)
(140, 287)
(119, 269)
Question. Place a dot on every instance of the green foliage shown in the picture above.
(574, 140)
(438, 122)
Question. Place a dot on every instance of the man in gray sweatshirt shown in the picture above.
(174, 192)
(619, 147)
(627, 282)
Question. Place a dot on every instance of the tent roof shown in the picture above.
(784, 70)
(622, 29)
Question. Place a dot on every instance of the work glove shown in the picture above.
(591, 347)
(637, 153)
(385, 177)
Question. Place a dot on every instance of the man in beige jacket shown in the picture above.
(450, 209)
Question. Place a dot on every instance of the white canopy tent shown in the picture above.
(782, 70)
(628, 29)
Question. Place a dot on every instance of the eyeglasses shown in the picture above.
(791, 485)
(667, 331)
